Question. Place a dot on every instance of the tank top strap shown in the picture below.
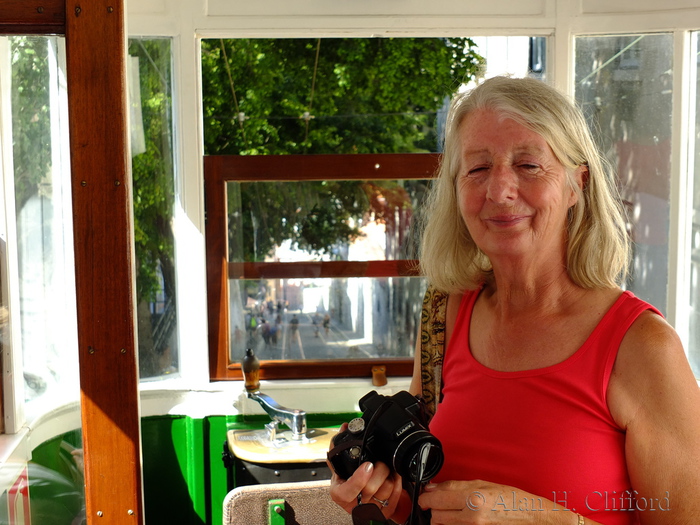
(604, 342)
(460, 331)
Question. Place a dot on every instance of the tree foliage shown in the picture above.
(32, 132)
(154, 198)
(321, 96)
(152, 170)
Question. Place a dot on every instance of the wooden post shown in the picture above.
(104, 260)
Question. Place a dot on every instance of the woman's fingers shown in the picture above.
(377, 485)
(344, 491)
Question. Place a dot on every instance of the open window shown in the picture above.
(338, 312)
(319, 153)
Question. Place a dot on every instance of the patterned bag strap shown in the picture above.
(432, 346)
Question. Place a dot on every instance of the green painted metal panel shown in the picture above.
(217, 428)
(185, 480)
(172, 491)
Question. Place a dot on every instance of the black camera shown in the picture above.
(391, 430)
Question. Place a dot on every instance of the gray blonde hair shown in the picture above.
(598, 249)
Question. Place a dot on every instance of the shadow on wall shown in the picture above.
(174, 474)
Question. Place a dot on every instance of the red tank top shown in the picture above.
(547, 431)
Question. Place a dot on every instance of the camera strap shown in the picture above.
(367, 514)
(419, 517)
(370, 514)
(337, 449)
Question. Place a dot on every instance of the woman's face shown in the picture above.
(512, 190)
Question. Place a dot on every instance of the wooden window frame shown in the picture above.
(103, 244)
(221, 169)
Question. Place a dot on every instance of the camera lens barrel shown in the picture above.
(407, 458)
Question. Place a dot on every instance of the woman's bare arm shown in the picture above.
(654, 396)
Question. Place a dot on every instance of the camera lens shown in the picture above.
(407, 457)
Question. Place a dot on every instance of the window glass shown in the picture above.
(5, 342)
(516, 56)
(624, 84)
(694, 164)
(153, 167)
(329, 95)
(331, 220)
(6, 224)
(306, 318)
(43, 219)
(291, 231)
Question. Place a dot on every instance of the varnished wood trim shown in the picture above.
(32, 17)
(217, 273)
(386, 166)
(323, 269)
(104, 261)
(336, 368)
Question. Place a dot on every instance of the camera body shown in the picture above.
(393, 430)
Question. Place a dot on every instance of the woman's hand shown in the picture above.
(485, 503)
(374, 483)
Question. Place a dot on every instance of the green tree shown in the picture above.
(32, 132)
(153, 193)
(312, 96)
(152, 169)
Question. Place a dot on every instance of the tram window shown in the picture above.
(297, 315)
(153, 169)
(302, 221)
(41, 168)
(5, 341)
(694, 164)
(325, 97)
(624, 84)
(319, 267)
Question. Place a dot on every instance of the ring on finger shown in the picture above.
(382, 502)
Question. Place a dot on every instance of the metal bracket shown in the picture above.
(276, 512)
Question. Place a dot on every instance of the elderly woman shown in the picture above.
(564, 399)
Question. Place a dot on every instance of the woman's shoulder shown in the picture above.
(650, 344)
(651, 338)
(650, 361)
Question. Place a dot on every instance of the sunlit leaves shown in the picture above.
(360, 95)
